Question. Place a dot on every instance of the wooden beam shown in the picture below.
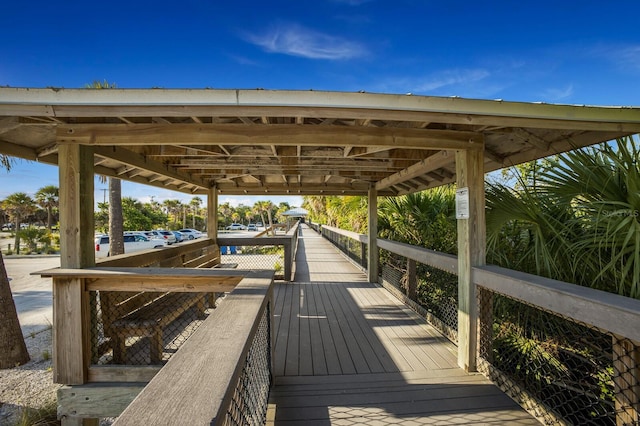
(284, 134)
(429, 164)
(8, 148)
(471, 251)
(134, 159)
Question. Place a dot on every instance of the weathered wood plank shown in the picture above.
(97, 399)
(122, 373)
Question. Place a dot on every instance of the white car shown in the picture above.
(190, 234)
(132, 243)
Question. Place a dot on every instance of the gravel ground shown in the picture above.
(30, 385)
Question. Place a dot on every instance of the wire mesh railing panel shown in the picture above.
(143, 328)
(254, 257)
(250, 397)
(574, 372)
(436, 291)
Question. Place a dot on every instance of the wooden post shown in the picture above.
(76, 206)
(372, 264)
(71, 316)
(412, 280)
(626, 380)
(212, 213)
(471, 251)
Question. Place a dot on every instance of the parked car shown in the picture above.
(252, 227)
(235, 227)
(191, 234)
(152, 235)
(259, 224)
(179, 236)
(132, 243)
(168, 235)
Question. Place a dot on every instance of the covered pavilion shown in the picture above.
(263, 142)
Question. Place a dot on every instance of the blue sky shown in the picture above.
(573, 52)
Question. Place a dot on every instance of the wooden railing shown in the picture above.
(210, 381)
(85, 319)
(289, 242)
(611, 318)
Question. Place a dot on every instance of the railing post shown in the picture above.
(372, 263)
(412, 280)
(626, 380)
(288, 260)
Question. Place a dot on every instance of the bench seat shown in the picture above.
(150, 321)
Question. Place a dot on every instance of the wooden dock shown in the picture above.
(349, 353)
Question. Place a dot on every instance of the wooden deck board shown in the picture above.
(349, 353)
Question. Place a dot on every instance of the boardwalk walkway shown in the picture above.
(348, 353)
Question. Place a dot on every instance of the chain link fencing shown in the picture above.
(144, 328)
(250, 399)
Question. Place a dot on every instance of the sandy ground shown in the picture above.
(30, 385)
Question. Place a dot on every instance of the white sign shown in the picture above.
(462, 203)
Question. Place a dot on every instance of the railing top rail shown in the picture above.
(253, 241)
(353, 235)
(606, 311)
(149, 256)
(152, 279)
(192, 388)
(444, 261)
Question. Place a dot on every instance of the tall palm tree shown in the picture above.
(116, 225)
(195, 204)
(174, 208)
(19, 205)
(13, 350)
(48, 198)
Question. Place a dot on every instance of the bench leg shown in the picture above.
(201, 308)
(119, 348)
(157, 348)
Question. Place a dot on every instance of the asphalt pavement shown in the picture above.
(31, 293)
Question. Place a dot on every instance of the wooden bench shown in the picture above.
(147, 315)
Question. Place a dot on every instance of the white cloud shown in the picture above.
(557, 94)
(295, 40)
(456, 81)
(452, 78)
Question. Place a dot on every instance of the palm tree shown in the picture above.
(116, 226)
(13, 350)
(19, 205)
(195, 204)
(174, 208)
(47, 197)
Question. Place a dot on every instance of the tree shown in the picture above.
(195, 204)
(116, 225)
(13, 350)
(18, 205)
(174, 208)
(116, 229)
(47, 197)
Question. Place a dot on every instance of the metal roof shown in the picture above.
(292, 142)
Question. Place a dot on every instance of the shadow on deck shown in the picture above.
(347, 352)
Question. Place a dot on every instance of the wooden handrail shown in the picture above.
(196, 384)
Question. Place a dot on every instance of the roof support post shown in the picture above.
(212, 213)
(71, 312)
(471, 250)
(372, 263)
(212, 218)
